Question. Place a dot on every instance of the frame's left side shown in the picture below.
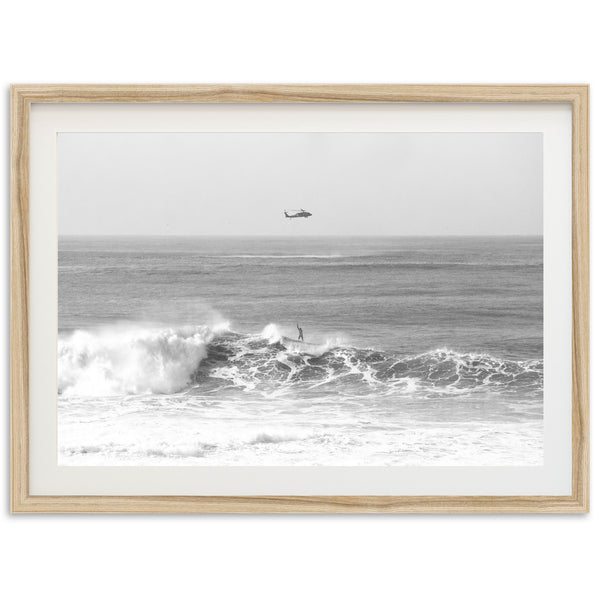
(19, 298)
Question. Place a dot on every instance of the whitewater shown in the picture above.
(420, 352)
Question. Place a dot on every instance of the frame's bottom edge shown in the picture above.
(301, 504)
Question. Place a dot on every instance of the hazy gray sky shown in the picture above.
(353, 183)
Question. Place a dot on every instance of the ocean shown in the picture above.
(418, 351)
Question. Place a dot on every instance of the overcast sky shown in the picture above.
(353, 183)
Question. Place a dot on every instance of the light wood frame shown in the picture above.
(22, 96)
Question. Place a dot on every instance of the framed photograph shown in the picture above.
(299, 298)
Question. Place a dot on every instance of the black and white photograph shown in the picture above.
(300, 299)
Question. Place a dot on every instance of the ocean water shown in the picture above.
(419, 351)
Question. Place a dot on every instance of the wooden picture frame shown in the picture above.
(22, 98)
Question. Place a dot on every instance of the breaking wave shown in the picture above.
(120, 361)
(213, 360)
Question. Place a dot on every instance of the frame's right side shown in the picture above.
(580, 356)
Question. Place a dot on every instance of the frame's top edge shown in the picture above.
(240, 92)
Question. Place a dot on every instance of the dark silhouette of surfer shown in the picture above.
(300, 334)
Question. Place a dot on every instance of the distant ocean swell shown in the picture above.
(204, 360)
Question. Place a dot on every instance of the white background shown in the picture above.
(251, 556)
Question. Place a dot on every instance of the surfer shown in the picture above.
(300, 334)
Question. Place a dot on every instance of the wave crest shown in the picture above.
(130, 361)
(215, 360)
(275, 365)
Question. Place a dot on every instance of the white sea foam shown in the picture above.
(118, 361)
(322, 432)
(271, 333)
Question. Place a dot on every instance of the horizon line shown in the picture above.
(284, 235)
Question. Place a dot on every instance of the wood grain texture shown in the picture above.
(21, 98)
(298, 93)
(19, 298)
(580, 256)
(300, 504)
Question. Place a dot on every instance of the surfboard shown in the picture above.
(301, 347)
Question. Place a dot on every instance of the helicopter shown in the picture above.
(296, 214)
